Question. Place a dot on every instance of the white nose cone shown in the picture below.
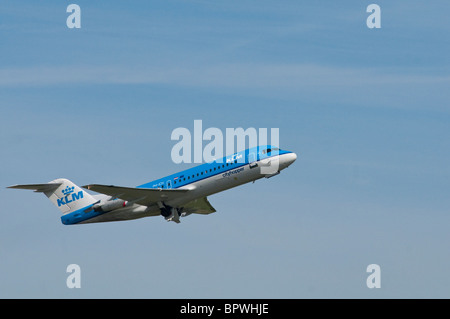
(287, 159)
(291, 157)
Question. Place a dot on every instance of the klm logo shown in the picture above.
(69, 196)
(234, 157)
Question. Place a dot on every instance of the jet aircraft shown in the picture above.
(174, 196)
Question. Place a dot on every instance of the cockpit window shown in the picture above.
(269, 150)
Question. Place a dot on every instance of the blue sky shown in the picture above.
(366, 110)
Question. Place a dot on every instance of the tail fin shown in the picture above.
(67, 196)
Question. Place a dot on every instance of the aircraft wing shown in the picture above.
(141, 196)
(199, 206)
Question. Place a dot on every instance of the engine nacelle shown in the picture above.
(110, 205)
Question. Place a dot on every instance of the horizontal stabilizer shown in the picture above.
(141, 196)
(64, 194)
(40, 188)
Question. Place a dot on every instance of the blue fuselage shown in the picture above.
(226, 166)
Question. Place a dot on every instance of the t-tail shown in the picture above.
(64, 194)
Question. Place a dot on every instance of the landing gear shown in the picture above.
(170, 213)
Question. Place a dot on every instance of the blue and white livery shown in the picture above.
(174, 196)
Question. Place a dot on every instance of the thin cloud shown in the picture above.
(306, 83)
(227, 75)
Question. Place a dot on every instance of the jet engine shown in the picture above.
(110, 205)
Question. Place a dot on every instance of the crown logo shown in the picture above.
(68, 190)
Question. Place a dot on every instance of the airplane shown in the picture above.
(174, 196)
